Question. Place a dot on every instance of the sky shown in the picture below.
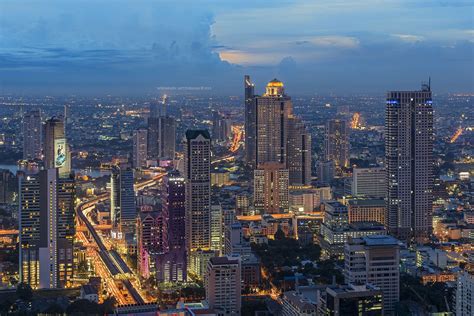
(313, 46)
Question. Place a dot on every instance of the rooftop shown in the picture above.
(380, 240)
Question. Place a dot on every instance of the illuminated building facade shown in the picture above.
(409, 162)
(46, 229)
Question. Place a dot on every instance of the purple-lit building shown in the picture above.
(171, 264)
(151, 240)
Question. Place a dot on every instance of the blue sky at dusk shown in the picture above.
(62, 47)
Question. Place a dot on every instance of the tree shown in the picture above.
(83, 307)
(24, 291)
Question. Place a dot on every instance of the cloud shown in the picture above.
(335, 41)
(409, 38)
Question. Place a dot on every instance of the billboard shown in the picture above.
(60, 152)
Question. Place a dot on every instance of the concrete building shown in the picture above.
(325, 172)
(46, 224)
(299, 152)
(375, 260)
(250, 122)
(351, 300)
(369, 182)
(409, 162)
(367, 210)
(271, 188)
(123, 210)
(465, 294)
(56, 149)
(198, 189)
(297, 304)
(140, 148)
(223, 285)
(32, 135)
(151, 240)
(217, 229)
(337, 143)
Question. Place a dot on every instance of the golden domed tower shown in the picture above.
(275, 88)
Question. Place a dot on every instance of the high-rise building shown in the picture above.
(56, 149)
(272, 112)
(299, 152)
(465, 294)
(217, 231)
(140, 148)
(325, 172)
(370, 182)
(223, 285)
(171, 266)
(409, 162)
(8, 186)
(221, 126)
(32, 133)
(375, 260)
(46, 229)
(271, 188)
(161, 137)
(174, 210)
(198, 189)
(151, 240)
(250, 121)
(337, 143)
(123, 211)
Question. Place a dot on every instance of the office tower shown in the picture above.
(367, 210)
(223, 285)
(46, 229)
(272, 112)
(370, 182)
(32, 133)
(122, 201)
(409, 162)
(336, 228)
(337, 143)
(351, 300)
(8, 186)
(299, 152)
(171, 266)
(325, 172)
(250, 121)
(271, 188)
(161, 137)
(167, 137)
(375, 260)
(174, 210)
(140, 147)
(465, 294)
(158, 107)
(56, 148)
(217, 225)
(151, 240)
(153, 138)
(242, 204)
(198, 189)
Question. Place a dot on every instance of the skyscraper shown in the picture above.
(250, 120)
(374, 260)
(223, 285)
(32, 132)
(46, 229)
(272, 112)
(198, 189)
(409, 163)
(122, 201)
(271, 188)
(337, 143)
(161, 137)
(299, 152)
(140, 151)
(56, 148)
(151, 240)
(171, 266)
